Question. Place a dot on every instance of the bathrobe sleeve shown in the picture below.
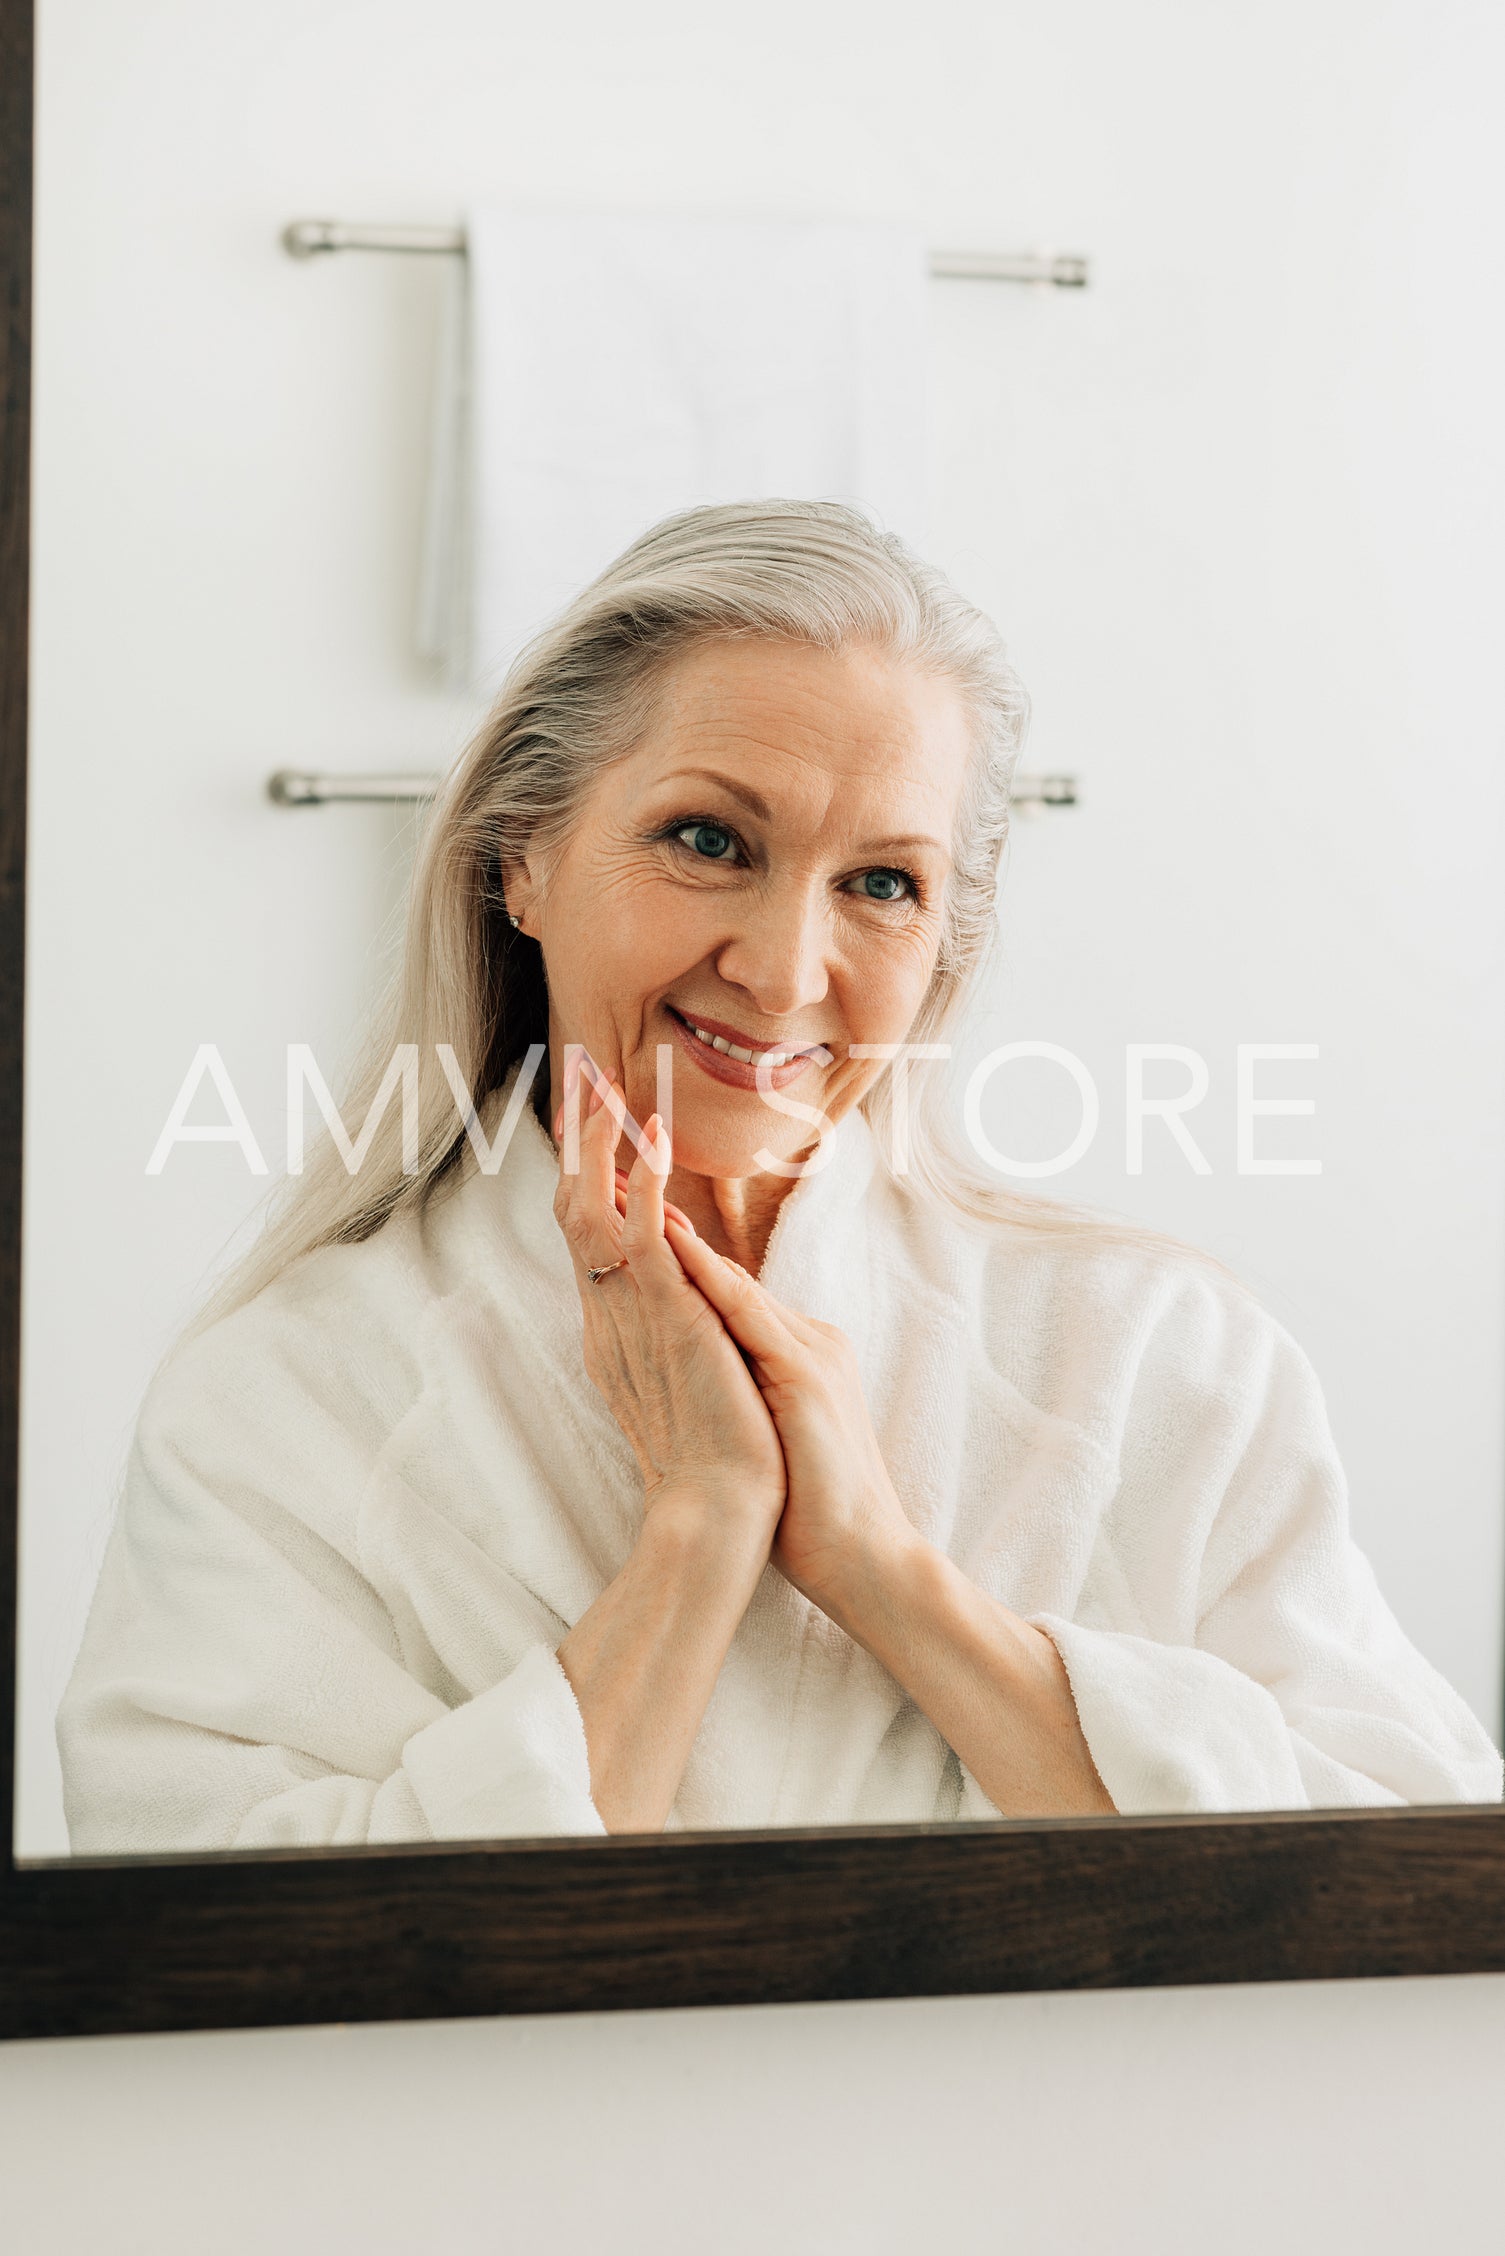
(1264, 1669)
(243, 1684)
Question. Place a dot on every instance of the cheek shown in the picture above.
(656, 931)
(612, 915)
(629, 939)
(888, 985)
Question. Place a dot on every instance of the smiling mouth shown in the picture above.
(751, 1053)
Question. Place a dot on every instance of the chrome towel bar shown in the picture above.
(292, 787)
(310, 238)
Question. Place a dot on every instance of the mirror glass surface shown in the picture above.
(1234, 507)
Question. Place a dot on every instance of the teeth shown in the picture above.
(744, 1057)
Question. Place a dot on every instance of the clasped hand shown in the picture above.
(749, 1422)
(719, 1387)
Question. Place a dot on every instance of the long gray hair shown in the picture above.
(580, 696)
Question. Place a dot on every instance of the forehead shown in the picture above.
(810, 722)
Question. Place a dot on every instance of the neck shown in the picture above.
(735, 1214)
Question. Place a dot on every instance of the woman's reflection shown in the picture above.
(824, 1481)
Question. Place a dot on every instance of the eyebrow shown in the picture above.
(758, 806)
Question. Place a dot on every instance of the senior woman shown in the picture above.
(770, 1465)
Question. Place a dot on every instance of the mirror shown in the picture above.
(1069, 1530)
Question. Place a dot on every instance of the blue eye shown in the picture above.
(710, 840)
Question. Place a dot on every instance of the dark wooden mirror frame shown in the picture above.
(432, 1932)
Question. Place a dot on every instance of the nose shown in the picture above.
(779, 954)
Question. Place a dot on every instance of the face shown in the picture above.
(769, 865)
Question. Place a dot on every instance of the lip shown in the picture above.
(735, 1033)
(731, 1072)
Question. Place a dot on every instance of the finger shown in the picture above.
(672, 1213)
(585, 1201)
(581, 1071)
(645, 1186)
(608, 1100)
(605, 1085)
(752, 1316)
(596, 1184)
(651, 1145)
(589, 1244)
(652, 1258)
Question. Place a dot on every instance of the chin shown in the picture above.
(722, 1148)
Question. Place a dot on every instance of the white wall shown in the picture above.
(1237, 509)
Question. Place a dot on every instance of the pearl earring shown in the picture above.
(516, 921)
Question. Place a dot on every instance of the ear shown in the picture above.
(520, 886)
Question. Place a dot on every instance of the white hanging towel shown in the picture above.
(599, 372)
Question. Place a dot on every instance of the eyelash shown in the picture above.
(669, 834)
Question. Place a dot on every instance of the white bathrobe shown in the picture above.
(361, 1513)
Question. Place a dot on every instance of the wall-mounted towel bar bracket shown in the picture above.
(310, 238)
(292, 787)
